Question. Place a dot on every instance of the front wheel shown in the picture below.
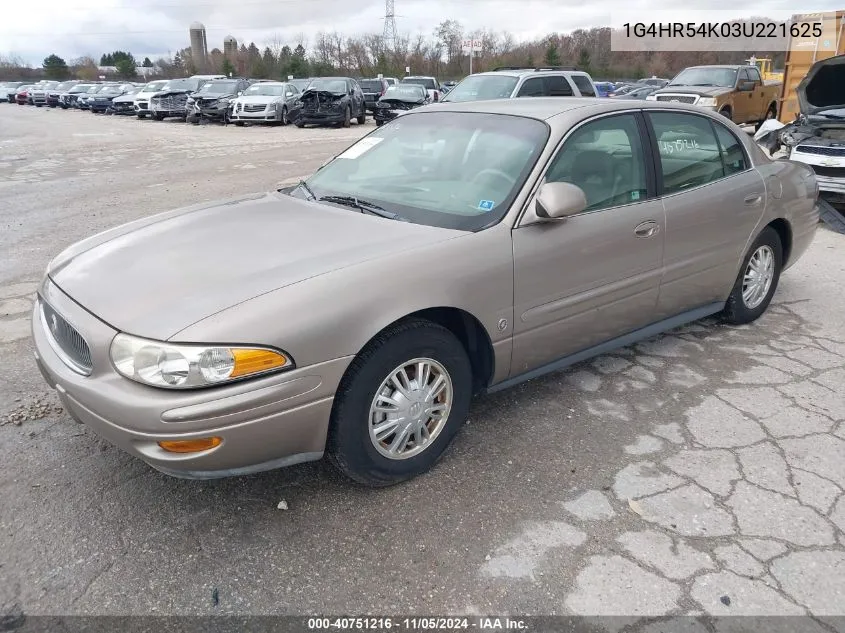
(400, 404)
(285, 120)
(757, 281)
(726, 112)
(347, 117)
(158, 117)
(363, 118)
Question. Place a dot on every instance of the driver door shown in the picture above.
(593, 276)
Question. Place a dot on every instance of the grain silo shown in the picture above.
(230, 48)
(199, 46)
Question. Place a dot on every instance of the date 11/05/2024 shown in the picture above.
(418, 623)
(723, 29)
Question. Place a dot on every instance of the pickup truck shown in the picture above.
(737, 92)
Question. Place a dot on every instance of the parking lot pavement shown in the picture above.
(699, 471)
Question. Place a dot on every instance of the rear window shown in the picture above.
(584, 85)
(427, 82)
(370, 85)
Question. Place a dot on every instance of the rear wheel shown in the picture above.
(757, 281)
(400, 404)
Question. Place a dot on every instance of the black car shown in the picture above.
(213, 100)
(125, 103)
(398, 99)
(54, 94)
(67, 99)
(102, 101)
(330, 100)
(171, 100)
(373, 89)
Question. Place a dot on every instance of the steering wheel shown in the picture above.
(494, 172)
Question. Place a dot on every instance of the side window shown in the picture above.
(743, 75)
(584, 85)
(689, 153)
(532, 88)
(605, 159)
(754, 74)
(733, 155)
(557, 86)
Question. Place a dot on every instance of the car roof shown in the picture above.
(729, 66)
(545, 108)
(519, 72)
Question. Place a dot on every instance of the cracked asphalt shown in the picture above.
(699, 472)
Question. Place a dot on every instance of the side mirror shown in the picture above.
(558, 200)
(745, 86)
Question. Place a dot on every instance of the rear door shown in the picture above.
(593, 276)
(557, 86)
(713, 200)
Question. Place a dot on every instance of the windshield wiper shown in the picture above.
(362, 205)
(307, 189)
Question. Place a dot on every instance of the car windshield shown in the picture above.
(337, 86)
(302, 84)
(724, 77)
(481, 87)
(220, 87)
(457, 170)
(266, 89)
(64, 85)
(180, 84)
(154, 86)
(79, 88)
(93, 89)
(426, 82)
(406, 93)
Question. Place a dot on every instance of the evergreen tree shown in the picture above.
(552, 57)
(55, 67)
(227, 68)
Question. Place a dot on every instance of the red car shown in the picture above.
(22, 95)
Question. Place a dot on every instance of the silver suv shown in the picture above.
(509, 82)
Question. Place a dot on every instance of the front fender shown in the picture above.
(335, 315)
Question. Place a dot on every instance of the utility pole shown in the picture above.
(389, 33)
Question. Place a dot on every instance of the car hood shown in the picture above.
(168, 93)
(214, 96)
(394, 101)
(703, 91)
(259, 99)
(820, 89)
(157, 276)
(125, 98)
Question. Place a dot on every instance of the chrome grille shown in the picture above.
(254, 107)
(678, 98)
(67, 342)
(821, 150)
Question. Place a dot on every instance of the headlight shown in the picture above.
(223, 102)
(706, 101)
(297, 103)
(185, 366)
(651, 98)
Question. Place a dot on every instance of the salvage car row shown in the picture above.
(321, 100)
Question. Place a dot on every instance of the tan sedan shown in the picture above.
(458, 249)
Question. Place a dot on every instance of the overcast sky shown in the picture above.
(72, 28)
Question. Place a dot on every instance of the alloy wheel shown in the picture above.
(758, 277)
(410, 408)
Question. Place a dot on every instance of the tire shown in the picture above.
(285, 120)
(238, 123)
(379, 123)
(158, 117)
(726, 112)
(363, 118)
(141, 116)
(347, 117)
(737, 309)
(299, 124)
(771, 113)
(350, 445)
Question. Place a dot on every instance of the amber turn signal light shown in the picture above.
(252, 361)
(190, 446)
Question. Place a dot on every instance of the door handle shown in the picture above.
(752, 199)
(648, 228)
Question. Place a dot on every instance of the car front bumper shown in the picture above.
(265, 423)
(321, 117)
